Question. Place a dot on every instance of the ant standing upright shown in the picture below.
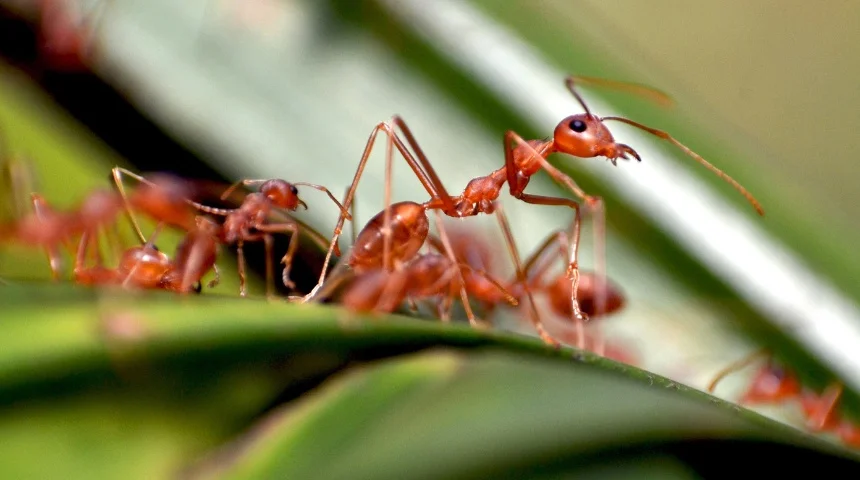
(582, 135)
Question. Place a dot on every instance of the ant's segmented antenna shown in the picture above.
(657, 96)
(665, 136)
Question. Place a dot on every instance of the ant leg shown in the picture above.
(512, 249)
(287, 260)
(534, 267)
(353, 232)
(270, 280)
(39, 205)
(443, 307)
(578, 316)
(735, 366)
(118, 172)
(386, 201)
(81, 254)
(431, 181)
(347, 202)
(464, 296)
(595, 205)
(240, 253)
(820, 409)
(337, 276)
(215, 281)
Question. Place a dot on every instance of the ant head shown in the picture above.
(585, 135)
(282, 193)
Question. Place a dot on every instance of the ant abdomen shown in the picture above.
(431, 275)
(145, 266)
(409, 229)
(558, 293)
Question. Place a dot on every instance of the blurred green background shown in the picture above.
(291, 89)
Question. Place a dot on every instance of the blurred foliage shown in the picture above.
(103, 384)
(107, 384)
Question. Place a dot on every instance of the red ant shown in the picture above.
(247, 223)
(477, 253)
(47, 228)
(582, 135)
(774, 384)
(415, 276)
(146, 267)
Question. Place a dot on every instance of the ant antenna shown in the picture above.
(665, 136)
(238, 184)
(569, 81)
(657, 96)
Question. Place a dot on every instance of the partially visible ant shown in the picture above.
(775, 385)
(250, 223)
(47, 228)
(415, 277)
(477, 252)
(66, 43)
(163, 197)
(195, 257)
(146, 267)
(140, 266)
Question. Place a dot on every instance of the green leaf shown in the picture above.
(448, 414)
(127, 384)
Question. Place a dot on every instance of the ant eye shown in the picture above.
(294, 189)
(577, 126)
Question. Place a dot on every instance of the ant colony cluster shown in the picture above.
(394, 260)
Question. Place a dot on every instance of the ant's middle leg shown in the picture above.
(287, 260)
(54, 260)
(515, 256)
